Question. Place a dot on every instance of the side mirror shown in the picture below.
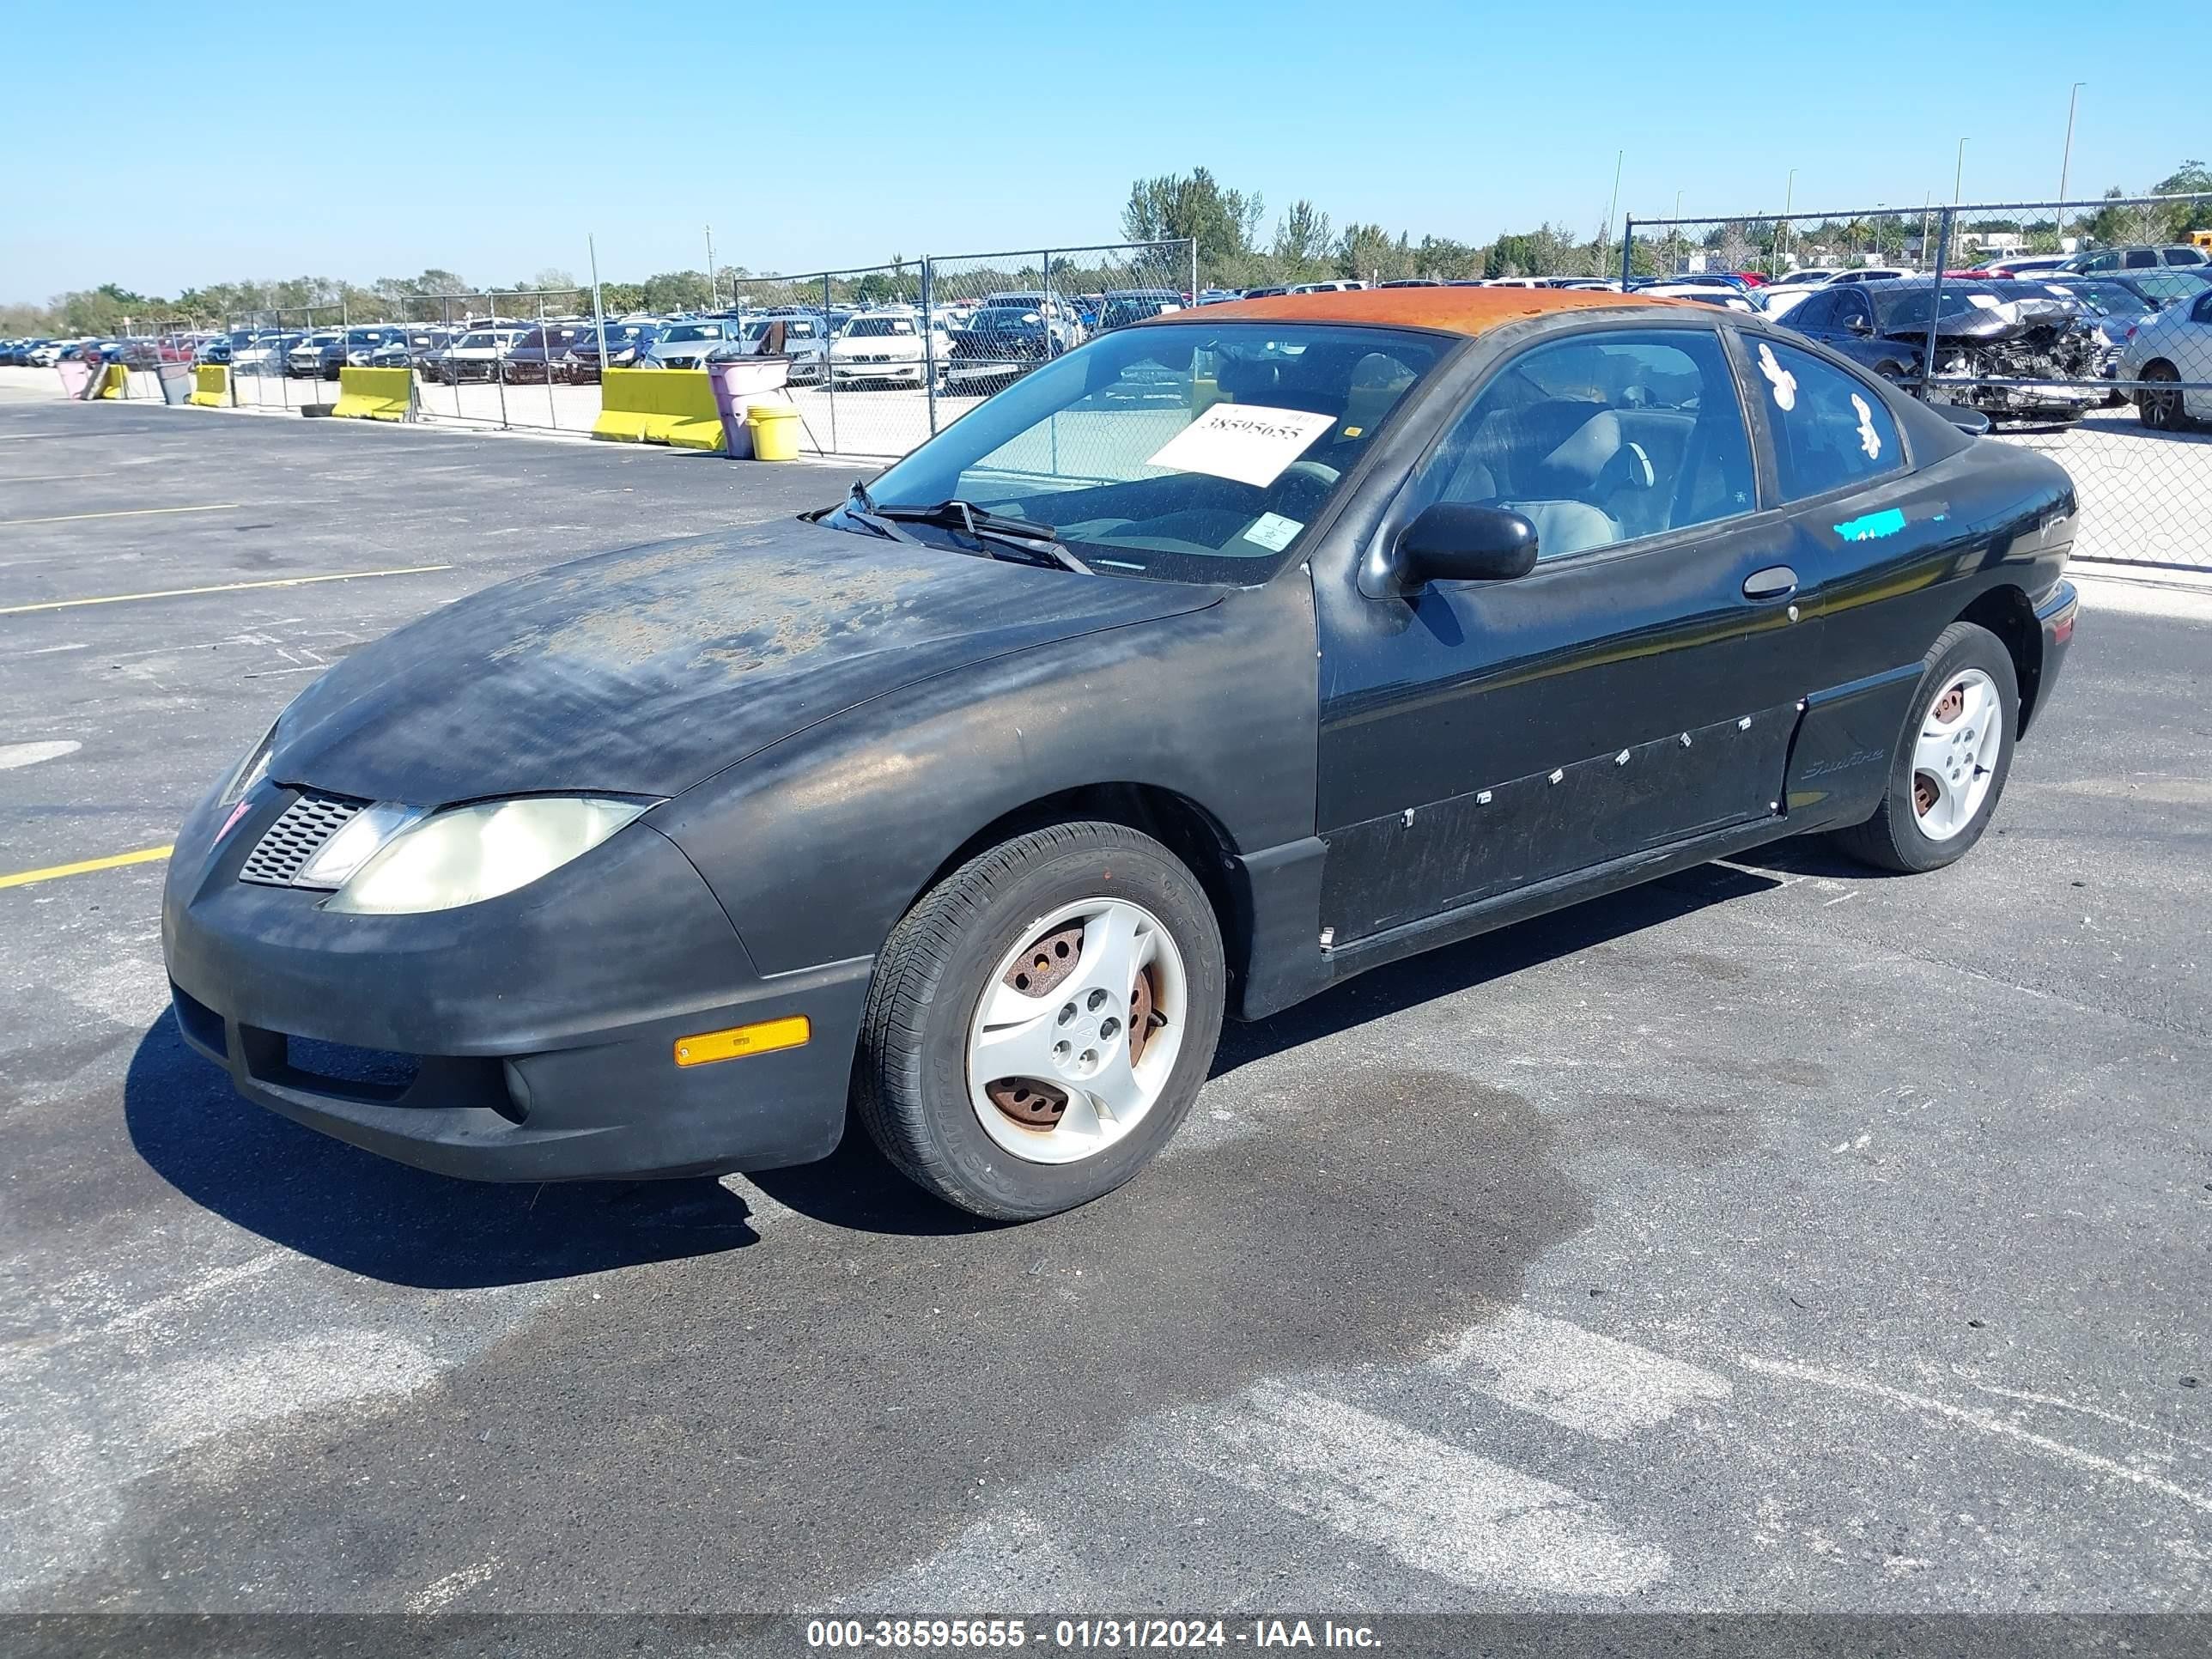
(1973, 422)
(1454, 542)
(1859, 325)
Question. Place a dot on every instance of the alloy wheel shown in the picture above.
(1077, 1031)
(1955, 755)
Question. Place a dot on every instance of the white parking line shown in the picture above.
(1433, 1505)
(1982, 1422)
(1575, 1378)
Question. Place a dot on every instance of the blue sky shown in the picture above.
(258, 141)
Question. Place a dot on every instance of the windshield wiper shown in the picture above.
(861, 508)
(1034, 544)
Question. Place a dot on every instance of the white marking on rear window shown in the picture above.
(1869, 440)
(1780, 379)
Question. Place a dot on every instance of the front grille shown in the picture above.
(296, 836)
(339, 1067)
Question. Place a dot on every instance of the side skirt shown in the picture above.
(1537, 899)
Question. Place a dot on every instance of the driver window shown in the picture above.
(1601, 438)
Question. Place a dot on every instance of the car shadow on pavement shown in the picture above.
(856, 1187)
(364, 1213)
(368, 1215)
(1462, 967)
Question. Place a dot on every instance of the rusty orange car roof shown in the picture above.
(1457, 310)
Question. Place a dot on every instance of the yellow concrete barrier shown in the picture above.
(210, 386)
(114, 381)
(375, 394)
(674, 406)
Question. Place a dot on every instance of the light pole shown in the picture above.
(2066, 159)
(1612, 206)
(1959, 173)
(1788, 195)
(713, 296)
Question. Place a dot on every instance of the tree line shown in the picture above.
(1234, 250)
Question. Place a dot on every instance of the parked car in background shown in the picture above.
(477, 355)
(1030, 761)
(1728, 299)
(1870, 274)
(1120, 307)
(2161, 288)
(887, 347)
(625, 340)
(2169, 352)
(802, 337)
(323, 355)
(543, 356)
(1063, 325)
(2143, 258)
(998, 347)
(688, 343)
(2033, 264)
(1985, 337)
(410, 347)
(266, 353)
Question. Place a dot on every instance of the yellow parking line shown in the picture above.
(25, 877)
(123, 513)
(220, 587)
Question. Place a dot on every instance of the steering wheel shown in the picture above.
(1302, 481)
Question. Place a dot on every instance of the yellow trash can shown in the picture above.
(775, 429)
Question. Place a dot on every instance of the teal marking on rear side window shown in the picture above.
(1873, 526)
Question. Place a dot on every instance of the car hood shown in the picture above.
(645, 670)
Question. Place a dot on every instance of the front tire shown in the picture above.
(1951, 760)
(1040, 1023)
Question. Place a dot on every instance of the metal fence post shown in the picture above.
(1193, 241)
(929, 338)
(1935, 299)
(829, 374)
(1628, 242)
(498, 363)
(545, 346)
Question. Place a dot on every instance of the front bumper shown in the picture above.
(2055, 616)
(530, 1037)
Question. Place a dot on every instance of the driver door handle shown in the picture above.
(1776, 582)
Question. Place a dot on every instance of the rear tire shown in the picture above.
(2162, 409)
(1949, 767)
(1073, 1111)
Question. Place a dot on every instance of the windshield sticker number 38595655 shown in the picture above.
(1248, 443)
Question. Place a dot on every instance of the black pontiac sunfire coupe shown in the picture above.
(1210, 662)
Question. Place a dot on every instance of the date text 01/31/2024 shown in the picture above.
(833, 1634)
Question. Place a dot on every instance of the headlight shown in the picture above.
(249, 771)
(469, 854)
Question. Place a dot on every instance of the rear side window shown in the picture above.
(1830, 428)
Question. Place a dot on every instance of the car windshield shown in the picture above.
(321, 340)
(683, 332)
(1179, 452)
(2106, 299)
(1904, 308)
(877, 327)
(470, 342)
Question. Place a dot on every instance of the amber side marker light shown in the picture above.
(762, 1038)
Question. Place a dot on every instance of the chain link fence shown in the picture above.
(2082, 330)
(879, 357)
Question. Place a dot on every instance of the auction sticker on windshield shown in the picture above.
(1247, 442)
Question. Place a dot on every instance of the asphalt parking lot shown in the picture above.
(1773, 1237)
